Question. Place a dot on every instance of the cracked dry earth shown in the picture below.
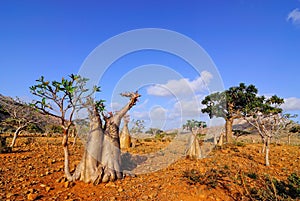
(34, 171)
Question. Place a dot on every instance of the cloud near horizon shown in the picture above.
(291, 104)
(294, 16)
(182, 86)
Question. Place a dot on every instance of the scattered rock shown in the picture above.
(67, 184)
(110, 184)
(48, 188)
(9, 195)
(32, 196)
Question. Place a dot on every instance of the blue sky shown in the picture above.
(251, 41)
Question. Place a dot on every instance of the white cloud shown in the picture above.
(182, 86)
(187, 108)
(294, 16)
(292, 103)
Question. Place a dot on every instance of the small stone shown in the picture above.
(9, 195)
(120, 190)
(31, 190)
(32, 196)
(48, 188)
(110, 184)
(153, 195)
(67, 184)
(145, 197)
(43, 185)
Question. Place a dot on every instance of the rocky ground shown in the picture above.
(34, 171)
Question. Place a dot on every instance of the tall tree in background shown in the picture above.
(138, 126)
(194, 124)
(229, 105)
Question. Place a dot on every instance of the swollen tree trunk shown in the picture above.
(267, 144)
(125, 139)
(101, 161)
(289, 139)
(215, 139)
(194, 149)
(221, 140)
(228, 129)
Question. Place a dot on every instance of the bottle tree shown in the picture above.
(101, 158)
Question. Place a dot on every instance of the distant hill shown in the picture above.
(6, 103)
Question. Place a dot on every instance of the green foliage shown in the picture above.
(51, 129)
(138, 126)
(100, 105)
(201, 136)
(160, 136)
(240, 101)
(190, 124)
(295, 129)
(62, 98)
(154, 131)
(231, 102)
(34, 128)
(278, 190)
(239, 144)
(211, 178)
(252, 175)
(3, 146)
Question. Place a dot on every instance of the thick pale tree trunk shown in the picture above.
(289, 139)
(194, 149)
(125, 139)
(228, 130)
(215, 139)
(221, 140)
(101, 161)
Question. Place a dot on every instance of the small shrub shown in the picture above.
(252, 175)
(278, 190)
(3, 146)
(226, 167)
(211, 178)
(29, 140)
(193, 176)
(148, 140)
(160, 136)
(239, 144)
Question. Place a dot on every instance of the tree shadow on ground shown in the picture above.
(130, 162)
